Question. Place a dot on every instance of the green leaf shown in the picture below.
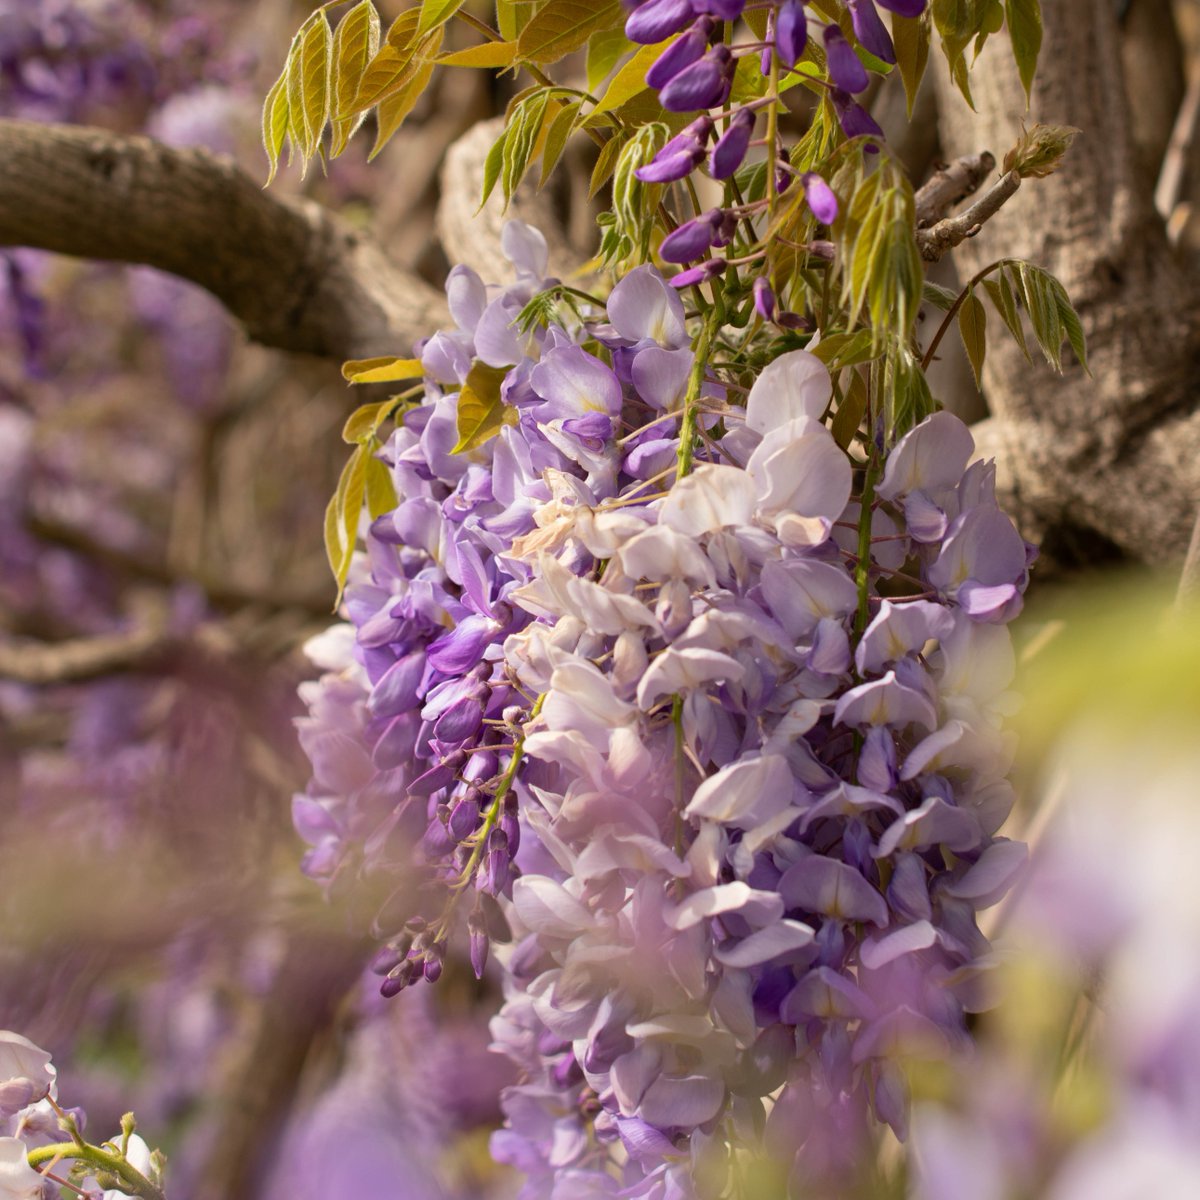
(606, 163)
(381, 492)
(1025, 31)
(630, 79)
(1001, 293)
(342, 516)
(382, 370)
(939, 296)
(522, 139)
(393, 110)
(1042, 305)
(363, 422)
(1039, 151)
(275, 122)
(435, 13)
(837, 350)
(512, 16)
(972, 324)
(493, 56)
(355, 44)
(561, 26)
(481, 412)
(309, 69)
(604, 50)
(850, 411)
(556, 138)
(908, 400)
(1070, 322)
(910, 36)
(386, 72)
(492, 166)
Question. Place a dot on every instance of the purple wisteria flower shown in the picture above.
(723, 799)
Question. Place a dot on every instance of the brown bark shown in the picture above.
(297, 277)
(1116, 454)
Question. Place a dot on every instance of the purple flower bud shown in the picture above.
(435, 958)
(726, 229)
(820, 198)
(437, 842)
(496, 867)
(905, 8)
(853, 118)
(699, 274)
(460, 721)
(731, 147)
(822, 249)
(510, 826)
(703, 84)
(679, 54)
(464, 816)
(845, 69)
(764, 58)
(791, 32)
(657, 19)
(783, 174)
(592, 429)
(680, 156)
(724, 10)
(764, 298)
(403, 975)
(386, 960)
(477, 929)
(692, 238)
(871, 32)
(791, 320)
(566, 1071)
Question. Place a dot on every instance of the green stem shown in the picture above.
(94, 1156)
(772, 136)
(978, 277)
(687, 428)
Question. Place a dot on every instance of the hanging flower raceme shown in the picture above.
(733, 789)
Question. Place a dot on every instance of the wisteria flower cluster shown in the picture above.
(707, 718)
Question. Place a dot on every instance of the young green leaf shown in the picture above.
(355, 44)
(562, 26)
(492, 56)
(850, 411)
(1001, 293)
(1070, 321)
(309, 69)
(606, 163)
(972, 325)
(1025, 31)
(393, 110)
(435, 13)
(381, 492)
(556, 138)
(387, 71)
(939, 296)
(493, 165)
(275, 123)
(630, 79)
(522, 139)
(1042, 306)
(910, 36)
(512, 16)
(342, 516)
(481, 412)
(604, 50)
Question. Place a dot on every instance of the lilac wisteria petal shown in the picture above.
(643, 305)
(758, 907)
(795, 384)
(929, 458)
(746, 793)
(822, 885)
(712, 497)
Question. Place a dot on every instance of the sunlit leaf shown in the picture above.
(355, 44)
(396, 107)
(630, 79)
(490, 55)
(512, 16)
(604, 51)
(525, 128)
(1001, 293)
(382, 370)
(562, 26)
(387, 71)
(309, 70)
(481, 412)
(606, 163)
(342, 516)
(381, 492)
(436, 12)
(275, 122)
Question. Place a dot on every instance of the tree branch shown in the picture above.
(298, 277)
(953, 231)
(951, 184)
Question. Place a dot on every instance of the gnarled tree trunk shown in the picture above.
(1115, 454)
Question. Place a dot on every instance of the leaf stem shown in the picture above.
(687, 427)
(952, 312)
(95, 1156)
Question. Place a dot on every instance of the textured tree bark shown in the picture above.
(296, 276)
(1115, 454)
